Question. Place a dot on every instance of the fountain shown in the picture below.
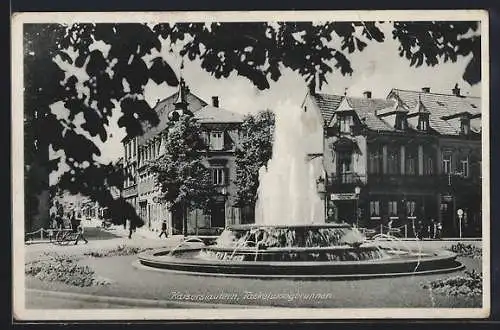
(290, 238)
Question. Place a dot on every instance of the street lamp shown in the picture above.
(357, 191)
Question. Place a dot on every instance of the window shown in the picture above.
(374, 209)
(446, 163)
(219, 176)
(393, 208)
(465, 125)
(464, 162)
(411, 209)
(411, 163)
(393, 164)
(374, 162)
(344, 166)
(401, 122)
(423, 122)
(345, 123)
(429, 168)
(216, 140)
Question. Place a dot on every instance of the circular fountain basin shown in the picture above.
(311, 252)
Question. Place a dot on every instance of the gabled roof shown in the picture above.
(164, 107)
(327, 104)
(440, 106)
(211, 114)
(367, 110)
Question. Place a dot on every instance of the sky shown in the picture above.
(378, 68)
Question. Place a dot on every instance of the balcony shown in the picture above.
(402, 180)
(130, 191)
(433, 182)
(348, 178)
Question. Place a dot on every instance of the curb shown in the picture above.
(133, 302)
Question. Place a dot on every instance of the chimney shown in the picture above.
(426, 89)
(456, 90)
(215, 101)
(367, 94)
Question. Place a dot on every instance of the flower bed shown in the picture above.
(470, 284)
(120, 250)
(63, 269)
(466, 250)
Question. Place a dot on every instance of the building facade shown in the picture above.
(220, 129)
(406, 161)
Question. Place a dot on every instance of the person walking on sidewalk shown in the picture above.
(131, 228)
(164, 228)
(80, 235)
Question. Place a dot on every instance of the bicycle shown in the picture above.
(65, 236)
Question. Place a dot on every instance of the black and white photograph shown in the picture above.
(250, 165)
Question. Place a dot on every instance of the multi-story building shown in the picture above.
(412, 157)
(220, 128)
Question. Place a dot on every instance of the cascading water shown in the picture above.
(287, 193)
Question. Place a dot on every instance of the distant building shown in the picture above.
(220, 128)
(412, 157)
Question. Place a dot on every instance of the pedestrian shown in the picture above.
(131, 228)
(59, 216)
(439, 230)
(164, 228)
(73, 221)
(80, 233)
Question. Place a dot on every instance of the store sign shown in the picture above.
(447, 198)
(342, 196)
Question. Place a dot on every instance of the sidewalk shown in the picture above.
(102, 239)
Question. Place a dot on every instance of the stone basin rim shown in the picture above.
(152, 256)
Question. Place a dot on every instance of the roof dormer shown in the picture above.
(464, 118)
(421, 116)
(465, 124)
(396, 115)
(345, 119)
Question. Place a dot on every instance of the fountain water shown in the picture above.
(287, 193)
(290, 237)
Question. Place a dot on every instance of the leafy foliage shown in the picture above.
(466, 250)
(255, 150)
(64, 269)
(120, 250)
(184, 179)
(469, 284)
(93, 93)
(430, 42)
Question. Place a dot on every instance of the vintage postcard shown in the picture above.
(250, 165)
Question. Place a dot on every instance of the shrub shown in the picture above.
(470, 284)
(466, 250)
(63, 269)
(120, 250)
